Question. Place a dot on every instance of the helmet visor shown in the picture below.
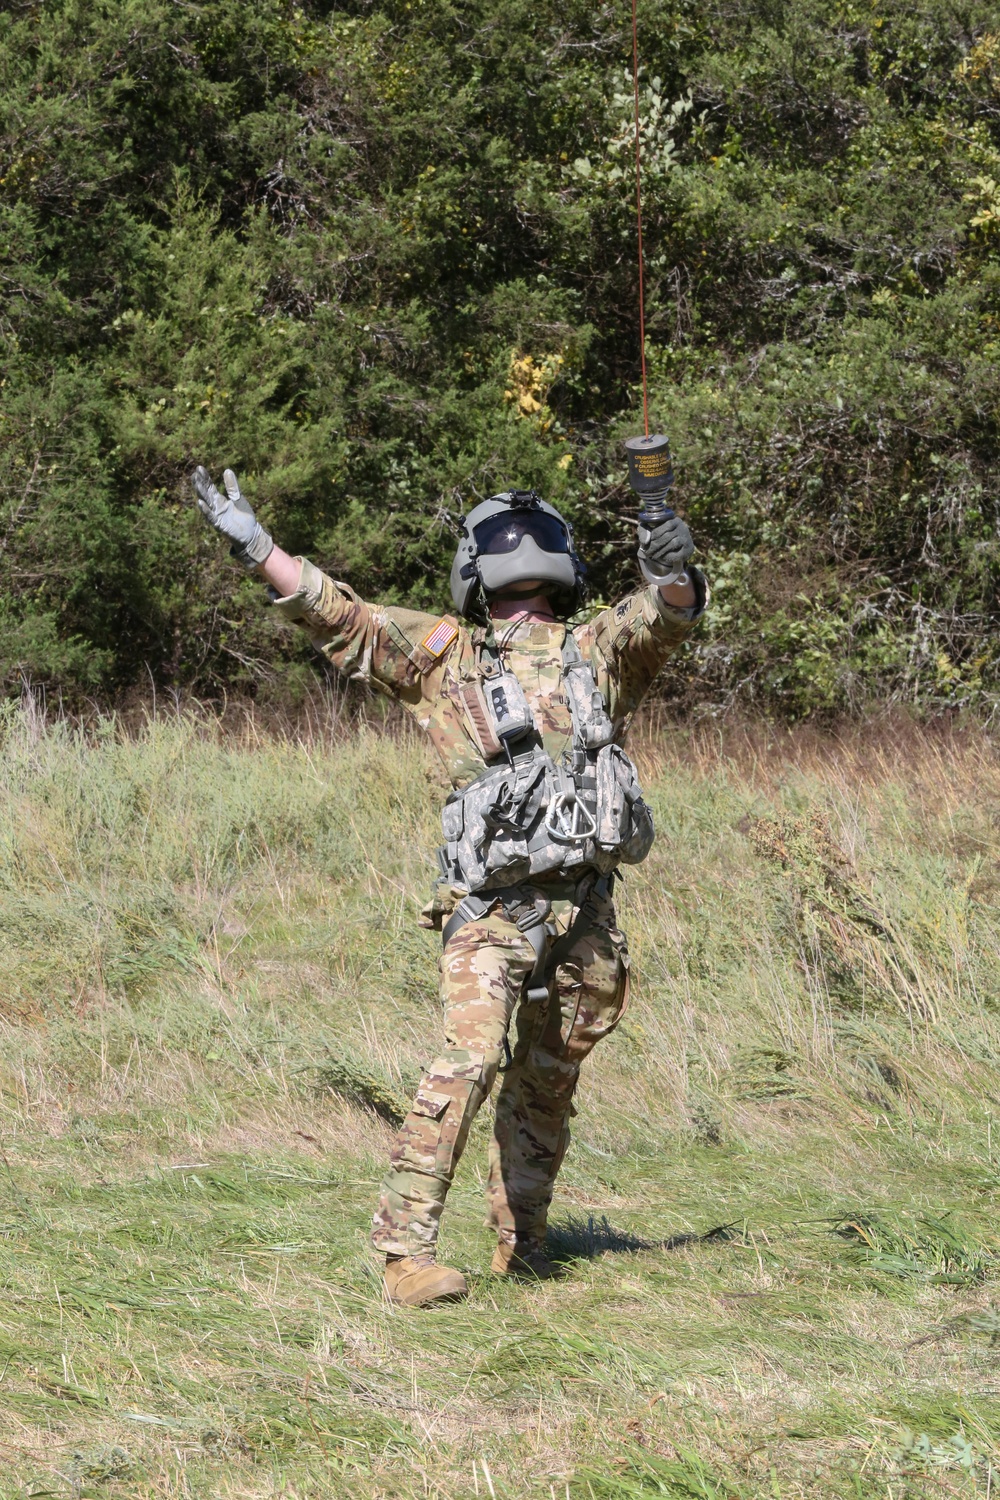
(505, 532)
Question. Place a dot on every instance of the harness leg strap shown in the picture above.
(585, 921)
(469, 909)
(536, 986)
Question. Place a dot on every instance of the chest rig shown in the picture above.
(529, 816)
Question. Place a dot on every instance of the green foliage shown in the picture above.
(380, 258)
(934, 1248)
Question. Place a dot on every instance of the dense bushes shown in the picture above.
(380, 259)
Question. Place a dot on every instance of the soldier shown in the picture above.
(528, 716)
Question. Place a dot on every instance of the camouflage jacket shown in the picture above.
(427, 660)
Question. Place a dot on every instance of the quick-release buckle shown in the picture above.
(526, 911)
(528, 918)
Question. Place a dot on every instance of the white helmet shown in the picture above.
(513, 538)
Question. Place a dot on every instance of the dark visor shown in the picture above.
(503, 533)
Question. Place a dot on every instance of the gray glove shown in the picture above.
(664, 549)
(232, 517)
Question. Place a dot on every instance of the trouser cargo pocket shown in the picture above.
(435, 1130)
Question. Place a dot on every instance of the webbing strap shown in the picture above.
(469, 909)
(585, 921)
(475, 906)
(570, 650)
(539, 982)
(486, 646)
(536, 986)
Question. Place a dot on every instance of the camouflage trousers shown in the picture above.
(483, 971)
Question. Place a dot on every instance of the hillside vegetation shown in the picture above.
(379, 256)
(778, 1217)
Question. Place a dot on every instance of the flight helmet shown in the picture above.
(511, 539)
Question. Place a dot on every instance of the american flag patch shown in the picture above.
(437, 641)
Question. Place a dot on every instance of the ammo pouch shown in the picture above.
(527, 817)
(624, 823)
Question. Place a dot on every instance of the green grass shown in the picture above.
(778, 1219)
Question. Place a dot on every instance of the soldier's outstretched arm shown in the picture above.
(393, 649)
(630, 642)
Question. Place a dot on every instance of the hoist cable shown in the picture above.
(638, 216)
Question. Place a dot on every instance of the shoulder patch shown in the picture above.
(440, 637)
(623, 609)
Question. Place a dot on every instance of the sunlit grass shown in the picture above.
(777, 1220)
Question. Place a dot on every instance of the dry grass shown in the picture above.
(778, 1217)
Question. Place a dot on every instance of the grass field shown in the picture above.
(778, 1219)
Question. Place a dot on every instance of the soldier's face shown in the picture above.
(531, 600)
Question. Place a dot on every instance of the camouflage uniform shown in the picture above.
(426, 661)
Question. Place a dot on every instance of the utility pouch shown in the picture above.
(624, 823)
(592, 728)
(453, 819)
(499, 811)
(415, 654)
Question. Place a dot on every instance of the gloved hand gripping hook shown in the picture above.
(651, 475)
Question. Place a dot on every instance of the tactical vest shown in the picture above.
(526, 816)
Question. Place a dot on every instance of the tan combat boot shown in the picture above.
(523, 1258)
(416, 1280)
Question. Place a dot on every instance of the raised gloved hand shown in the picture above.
(232, 517)
(664, 549)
